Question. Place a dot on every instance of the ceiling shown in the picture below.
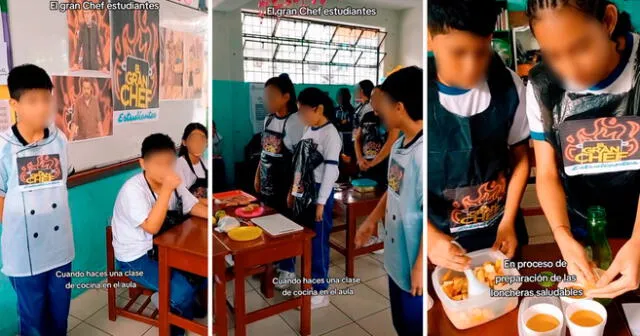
(231, 5)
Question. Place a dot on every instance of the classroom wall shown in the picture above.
(227, 38)
(91, 207)
(412, 40)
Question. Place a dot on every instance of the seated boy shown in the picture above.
(478, 137)
(37, 238)
(147, 201)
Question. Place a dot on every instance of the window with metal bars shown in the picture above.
(311, 52)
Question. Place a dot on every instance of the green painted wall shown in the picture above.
(91, 207)
(231, 110)
(626, 5)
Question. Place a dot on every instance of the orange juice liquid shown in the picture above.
(542, 323)
(586, 318)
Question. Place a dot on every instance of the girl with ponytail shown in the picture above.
(582, 103)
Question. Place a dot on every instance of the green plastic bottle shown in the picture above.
(597, 218)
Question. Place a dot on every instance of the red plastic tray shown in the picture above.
(223, 197)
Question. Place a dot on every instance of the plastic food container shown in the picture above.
(475, 311)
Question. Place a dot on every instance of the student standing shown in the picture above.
(37, 238)
(149, 203)
(320, 138)
(344, 111)
(190, 167)
(282, 131)
(400, 107)
(583, 108)
(478, 137)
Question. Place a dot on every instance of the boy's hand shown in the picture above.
(256, 184)
(625, 264)
(319, 212)
(171, 181)
(416, 279)
(443, 252)
(578, 262)
(365, 231)
(363, 165)
(506, 240)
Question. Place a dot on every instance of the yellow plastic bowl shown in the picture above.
(245, 233)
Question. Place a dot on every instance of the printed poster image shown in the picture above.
(135, 55)
(6, 119)
(194, 74)
(84, 109)
(258, 112)
(89, 39)
(172, 64)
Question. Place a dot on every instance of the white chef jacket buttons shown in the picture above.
(33, 212)
(394, 217)
(54, 205)
(56, 228)
(35, 235)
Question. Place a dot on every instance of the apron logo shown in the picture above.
(39, 171)
(395, 177)
(271, 144)
(477, 206)
(371, 149)
(600, 145)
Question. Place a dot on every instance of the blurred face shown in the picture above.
(390, 112)
(158, 165)
(311, 116)
(576, 46)
(196, 143)
(375, 100)
(274, 99)
(86, 89)
(34, 107)
(462, 57)
(358, 94)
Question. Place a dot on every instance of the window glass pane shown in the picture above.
(291, 53)
(253, 24)
(291, 29)
(365, 73)
(316, 74)
(320, 32)
(369, 39)
(257, 71)
(294, 70)
(320, 54)
(256, 49)
(368, 58)
(342, 74)
(346, 56)
(346, 35)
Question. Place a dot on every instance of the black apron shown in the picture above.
(306, 159)
(596, 140)
(469, 163)
(275, 167)
(199, 187)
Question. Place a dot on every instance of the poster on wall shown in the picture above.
(189, 3)
(84, 108)
(135, 55)
(5, 44)
(258, 111)
(6, 119)
(194, 72)
(172, 63)
(89, 39)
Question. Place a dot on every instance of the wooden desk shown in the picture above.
(219, 289)
(267, 250)
(355, 205)
(507, 324)
(183, 247)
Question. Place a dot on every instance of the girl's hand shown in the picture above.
(416, 279)
(443, 252)
(626, 264)
(256, 184)
(319, 212)
(363, 164)
(364, 232)
(290, 200)
(578, 262)
(506, 240)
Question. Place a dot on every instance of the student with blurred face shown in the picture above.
(147, 204)
(583, 112)
(399, 104)
(478, 137)
(190, 166)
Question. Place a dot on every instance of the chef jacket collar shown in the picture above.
(20, 138)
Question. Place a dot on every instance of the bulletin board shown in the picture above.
(47, 44)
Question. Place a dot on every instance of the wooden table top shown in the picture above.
(350, 196)
(234, 247)
(190, 236)
(507, 324)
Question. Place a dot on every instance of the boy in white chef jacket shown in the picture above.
(144, 207)
(37, 238)
(400, 106)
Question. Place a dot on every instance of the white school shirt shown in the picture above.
(611, 85)
(329, 143)
(467, 103)
(185, 173)
(133, 205)
(36, 221)
(294, 130)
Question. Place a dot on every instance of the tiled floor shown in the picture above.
(89, 317)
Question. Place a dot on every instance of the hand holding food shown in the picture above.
(456, 287)
(506, 240)
(625, 264)
(442, 251)
(574, 254)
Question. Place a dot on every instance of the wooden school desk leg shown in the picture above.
(351, 244)
(305, 310)
(163, 289)
(219, 297)
(239, 309)
(266, 285)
